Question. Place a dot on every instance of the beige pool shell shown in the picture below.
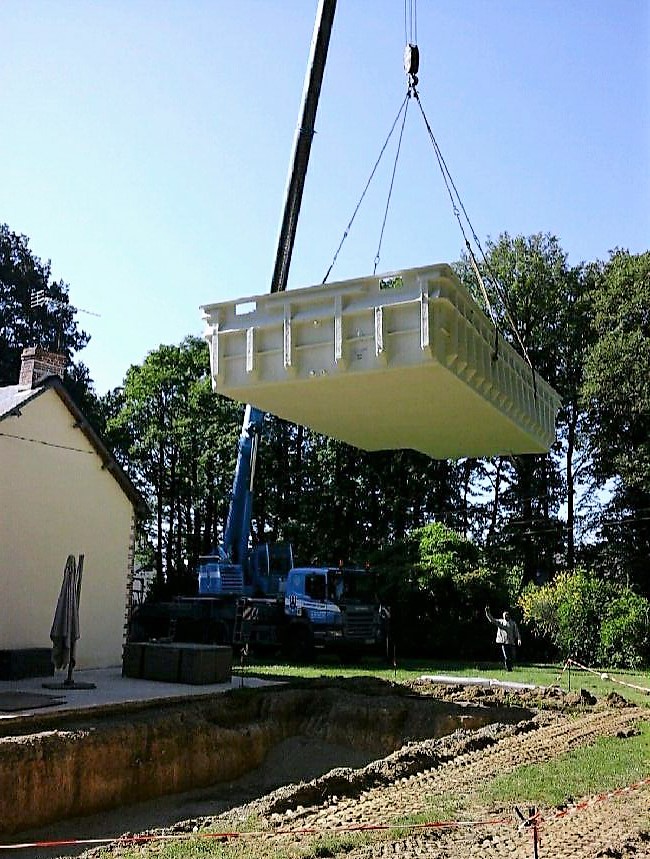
(400, 360)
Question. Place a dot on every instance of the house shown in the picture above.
(61, 493)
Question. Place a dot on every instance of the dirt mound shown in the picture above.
(540, 698)
(412, 758)
(613, 699)
(404, 783)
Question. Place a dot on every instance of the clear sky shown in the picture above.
(144, 146)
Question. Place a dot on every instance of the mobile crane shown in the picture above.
(256, 595)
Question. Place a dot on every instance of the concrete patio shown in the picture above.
(111, 688)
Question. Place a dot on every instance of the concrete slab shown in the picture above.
(449, 680)
(113, 689)
(405, 360)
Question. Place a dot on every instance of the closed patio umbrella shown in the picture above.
(65, 626)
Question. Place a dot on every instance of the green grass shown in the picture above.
(608, 764)
(408, 670)
(439, 809)
(612, 762)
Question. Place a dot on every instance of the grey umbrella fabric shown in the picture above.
(65, 627)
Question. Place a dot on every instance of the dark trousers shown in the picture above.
(509, 652)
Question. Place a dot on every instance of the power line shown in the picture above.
(46, 443)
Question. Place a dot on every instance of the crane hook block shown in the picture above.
(411, 59)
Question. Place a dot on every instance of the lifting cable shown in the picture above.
(411, 56)
(392, 181)
(403, 107)
(411, 67)
(457, 202)
(410, 22)
(410, 37)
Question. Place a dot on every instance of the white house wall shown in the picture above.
(56, 500)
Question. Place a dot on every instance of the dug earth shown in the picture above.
(267, 755)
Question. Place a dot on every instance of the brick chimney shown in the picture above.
(37, 364)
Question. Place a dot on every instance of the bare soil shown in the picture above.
(309, 784)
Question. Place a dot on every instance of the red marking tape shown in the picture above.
(357, 827)
(186, 836)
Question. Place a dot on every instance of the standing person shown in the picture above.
(508, 636)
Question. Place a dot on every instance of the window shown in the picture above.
(315, 586)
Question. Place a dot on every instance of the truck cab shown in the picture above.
(335, 608)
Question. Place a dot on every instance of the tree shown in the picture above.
(51, 325)
(177, 440)
(616, 394)
(617, 384)
(351, 501)
(329, 514)
(81, 387)
(333, 502)
(592, 620)
(576, 337)
(546, 299)
(437, 586)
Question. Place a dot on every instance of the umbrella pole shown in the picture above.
(77, 587)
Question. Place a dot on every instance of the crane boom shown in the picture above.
(237, 530)
(257, 595)
(302, 143)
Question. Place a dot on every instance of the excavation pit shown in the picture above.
(66, 765)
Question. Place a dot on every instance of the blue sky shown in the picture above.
(145, 145)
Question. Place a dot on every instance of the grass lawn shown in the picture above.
(599, 684)
(609, 764)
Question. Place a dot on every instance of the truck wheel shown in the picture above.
(349, 655)
(299, 647)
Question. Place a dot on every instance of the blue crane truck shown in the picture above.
(256, 596)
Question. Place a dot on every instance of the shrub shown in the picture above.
(592, 620)
(437, 589)
(624, 631)
(442, 552)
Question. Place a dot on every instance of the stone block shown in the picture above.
(202, 664)
(26, 662)
(161, 662)
(133, 659)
